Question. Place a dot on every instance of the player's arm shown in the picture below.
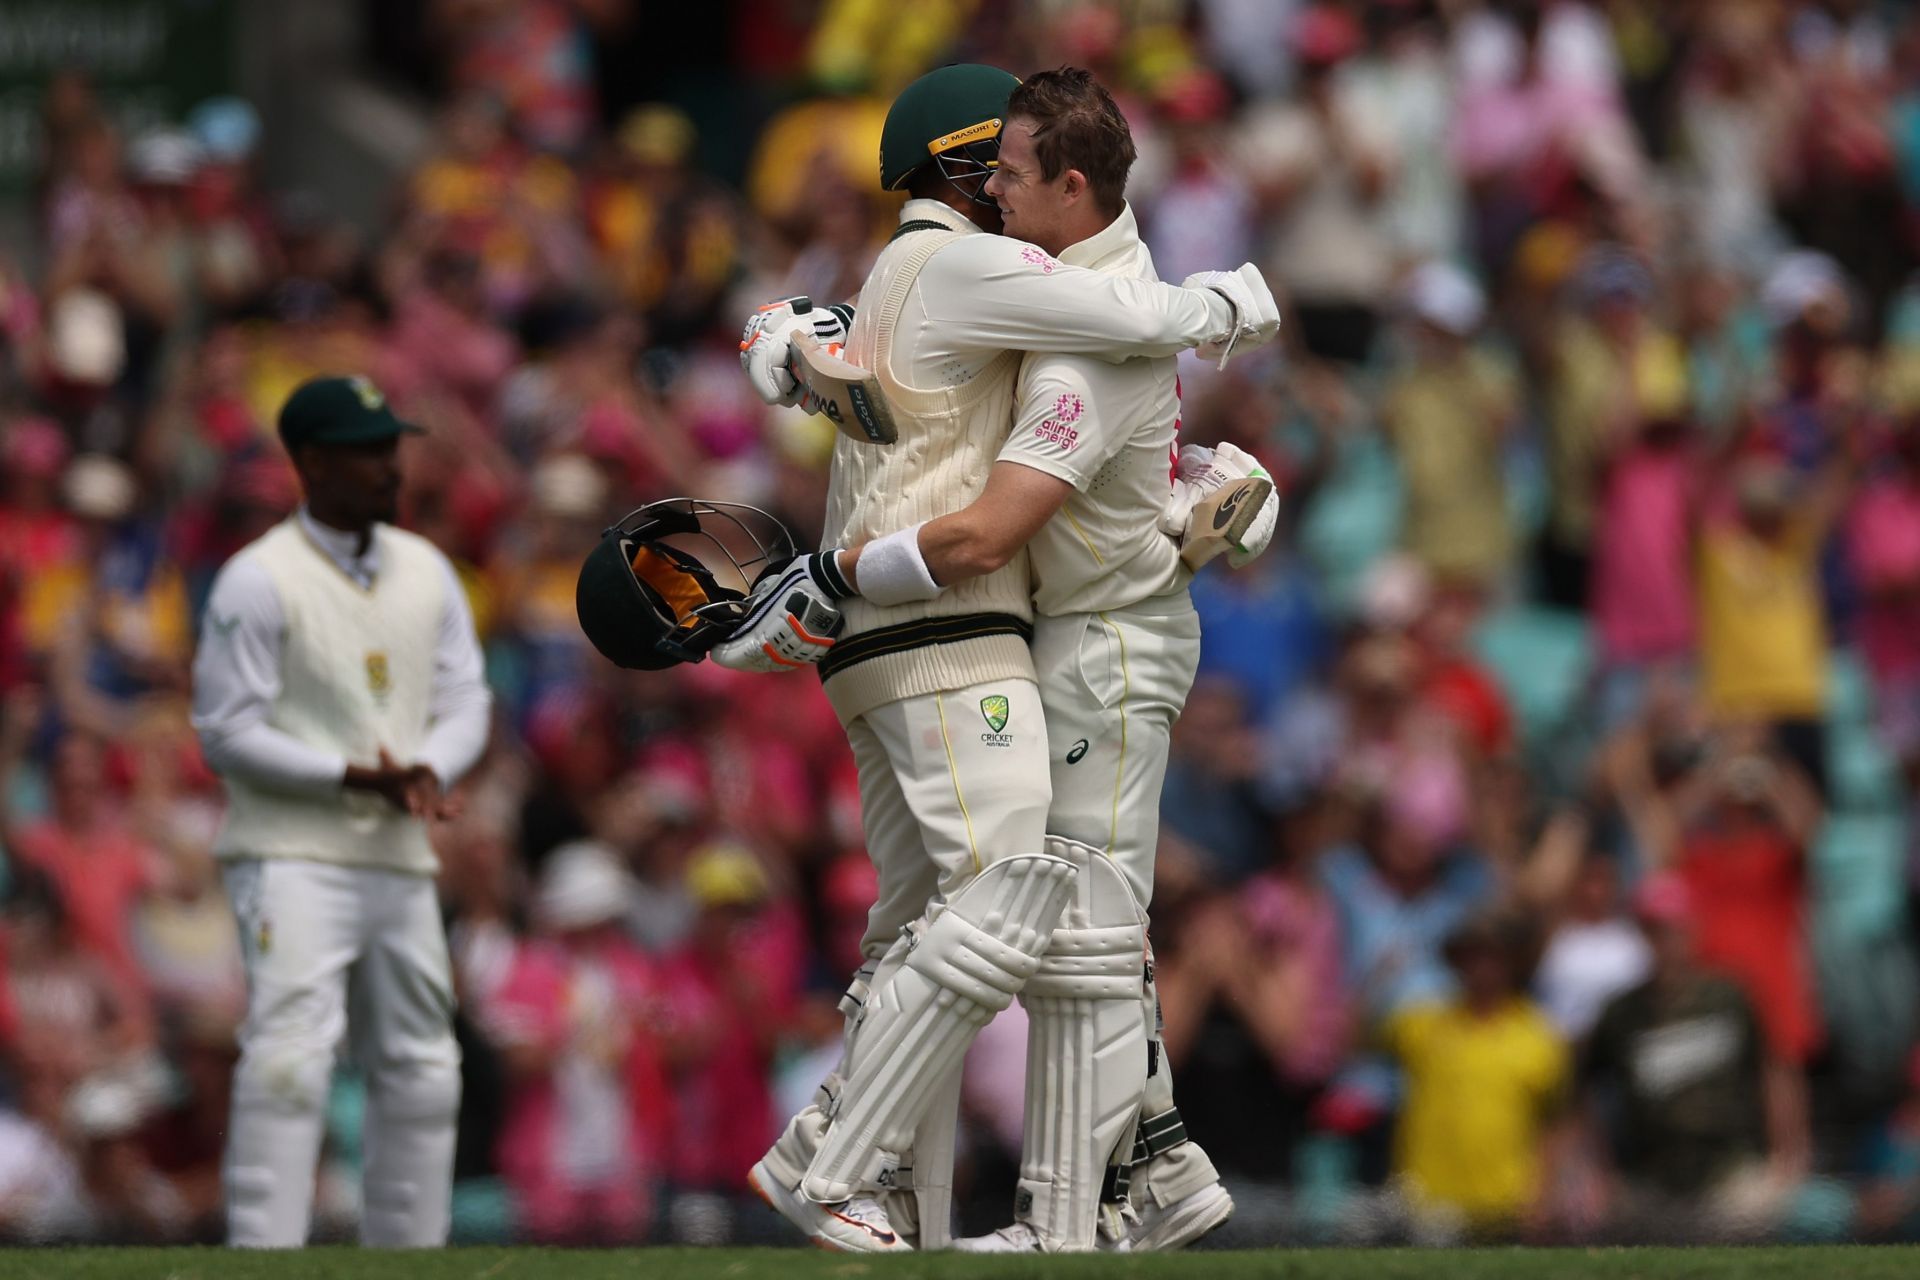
(1059, 441)
(996, 293)
(236, 677)
(459, 706)
(1057, 444)
(978, 539)
(786, 610)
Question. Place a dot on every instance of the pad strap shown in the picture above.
(1158, 1135)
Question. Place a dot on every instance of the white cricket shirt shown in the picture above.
(1108, 430)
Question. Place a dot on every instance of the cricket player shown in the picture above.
(338, 691)
(955, 816)
(1082, 483)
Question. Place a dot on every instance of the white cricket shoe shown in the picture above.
(1160, 1230)
(859, 1225)
(1018, 1238)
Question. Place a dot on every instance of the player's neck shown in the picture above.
(984, 216)
(1078, 227)
(343, 524)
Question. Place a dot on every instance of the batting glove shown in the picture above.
(766, 352)
(791, 618)
(1200, 472)
(1256, 316)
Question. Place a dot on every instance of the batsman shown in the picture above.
(935, 682)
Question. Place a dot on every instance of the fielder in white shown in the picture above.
(338, 689)
(1082, 483)
(955, 807)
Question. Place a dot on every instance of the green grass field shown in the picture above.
(1827, 1263)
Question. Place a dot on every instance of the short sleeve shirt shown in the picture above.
(1109, 430)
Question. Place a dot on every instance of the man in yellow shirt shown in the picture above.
(1485, 1075)
(1763, 636)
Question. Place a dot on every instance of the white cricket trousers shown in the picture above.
(330, 951)
(949, 782)
(1112, 684)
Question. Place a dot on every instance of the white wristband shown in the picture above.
(892, 571)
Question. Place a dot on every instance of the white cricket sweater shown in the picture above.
(358, 666)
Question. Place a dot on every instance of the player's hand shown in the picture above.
(1201, 472)
(410, 788)
(1256, 316)
(791, 617)
(766, 350)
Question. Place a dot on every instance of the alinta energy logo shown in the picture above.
(996, 710)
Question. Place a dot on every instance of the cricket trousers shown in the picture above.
(1113, 683)
(949, 783)
(339, 952)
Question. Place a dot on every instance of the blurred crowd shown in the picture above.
(1539, 857)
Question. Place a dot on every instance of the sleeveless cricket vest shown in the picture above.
(977, 629)
(356, 676)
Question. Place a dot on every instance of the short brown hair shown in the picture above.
(1077, 125)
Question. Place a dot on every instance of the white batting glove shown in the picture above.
(1200, 472)
(791, 617)
(1256, 316)
(766, 351)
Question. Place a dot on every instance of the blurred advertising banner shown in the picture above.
(148, 60)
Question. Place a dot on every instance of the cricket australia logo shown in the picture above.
(996, 710)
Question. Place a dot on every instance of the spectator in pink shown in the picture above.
(1883, 542)
(579, 1020)
(1642, 593)
(96, 863)
(732, 986)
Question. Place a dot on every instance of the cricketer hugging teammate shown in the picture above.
(1011, 562)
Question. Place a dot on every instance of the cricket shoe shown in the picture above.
(1018, 1238)
(858, 1225)
(1160, 1229)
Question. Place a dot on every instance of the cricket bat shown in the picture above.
(849, 396)
(1221, 519)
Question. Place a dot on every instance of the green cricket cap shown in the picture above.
(339, 411)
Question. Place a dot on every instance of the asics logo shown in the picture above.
(884, 1237)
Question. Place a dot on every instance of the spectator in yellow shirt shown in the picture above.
(1447, 416)
(1763, 635)
(1484, 1077)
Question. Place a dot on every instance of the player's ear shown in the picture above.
(1073, 185)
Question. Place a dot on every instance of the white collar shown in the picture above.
(343, 548)
(1118, 237)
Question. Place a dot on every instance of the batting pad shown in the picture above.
(1086, 1052)
(968, 965)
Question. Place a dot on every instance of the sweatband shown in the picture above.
(892, 571)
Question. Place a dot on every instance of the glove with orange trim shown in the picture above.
(766, 349)
(791, 616)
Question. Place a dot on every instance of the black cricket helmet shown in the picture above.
(648, 601)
